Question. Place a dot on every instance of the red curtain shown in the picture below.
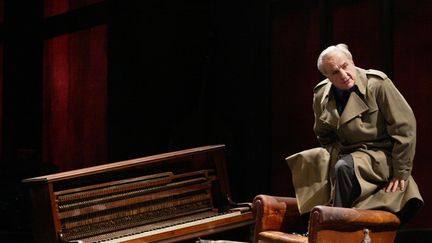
(74, 106)
(1, 12)
(362, 35)
(412, 59)
(1, 100)
(295, 45)
(1, 78)
(54, 7)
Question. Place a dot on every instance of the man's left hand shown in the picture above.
(394, 184)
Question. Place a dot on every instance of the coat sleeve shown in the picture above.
(325, 135)
(401, 127)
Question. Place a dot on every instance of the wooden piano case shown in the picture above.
(168, 197)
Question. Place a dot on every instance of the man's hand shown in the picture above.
(394, 184)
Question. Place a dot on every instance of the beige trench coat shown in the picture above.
(377, 127)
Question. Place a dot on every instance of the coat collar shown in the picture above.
(354, 108)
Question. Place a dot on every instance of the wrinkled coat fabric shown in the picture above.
(377, 128)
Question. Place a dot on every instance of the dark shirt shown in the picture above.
(341, 97)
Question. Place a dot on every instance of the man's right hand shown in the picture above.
(394, 184)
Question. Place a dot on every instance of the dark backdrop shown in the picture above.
(181, 74)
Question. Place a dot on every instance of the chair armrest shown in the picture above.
(325, 217)
(277, 214)
(332, 222)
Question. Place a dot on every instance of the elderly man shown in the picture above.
(368, 134)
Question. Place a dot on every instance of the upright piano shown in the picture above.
(169, 197)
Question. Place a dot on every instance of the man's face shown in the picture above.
(340, 70)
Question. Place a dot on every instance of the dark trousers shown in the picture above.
(347, 187)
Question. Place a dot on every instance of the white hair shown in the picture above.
(342, 48)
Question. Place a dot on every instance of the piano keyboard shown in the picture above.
(207, 218)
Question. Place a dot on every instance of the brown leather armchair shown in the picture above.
(278, 217)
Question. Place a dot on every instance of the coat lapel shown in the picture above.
(354, 108)
(356, 105)
(330, 114)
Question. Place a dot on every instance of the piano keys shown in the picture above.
(168, 197)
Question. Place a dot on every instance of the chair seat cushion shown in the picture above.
(277, 236)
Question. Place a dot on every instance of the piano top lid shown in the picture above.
(123, 164)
